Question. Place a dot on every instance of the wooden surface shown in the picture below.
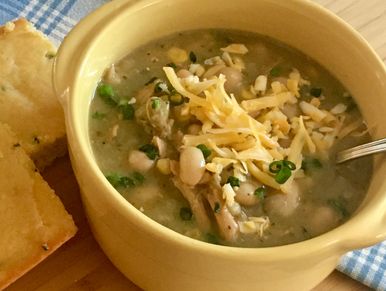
(81, 265)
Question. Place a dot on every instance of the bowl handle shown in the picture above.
(372, 234)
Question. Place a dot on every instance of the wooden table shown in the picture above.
(81, 265)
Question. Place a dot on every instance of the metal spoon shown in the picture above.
(373, 147)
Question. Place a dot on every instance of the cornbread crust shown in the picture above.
(33, 221)
(28, 103)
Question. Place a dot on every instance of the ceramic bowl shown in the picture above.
(157, 258)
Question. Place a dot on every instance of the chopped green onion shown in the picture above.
(205, 151)
(310, 164)
(156, 104)
(150, 150)
(290, 165)
(151, 81)
(283, 175)
(192, 57)
(275, 166)
(138, 178)
(316, 92)
(127, 111)
(98, 115)
(261, 192)
(338, 206)
(176, 99)
(172, 65)
(106, 92)
(161, 87)
(275, 71)
(186, 213)
(118, 181)
(282, 170)
(234, 181)
(217, 207)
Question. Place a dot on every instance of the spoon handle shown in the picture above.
(373, 147)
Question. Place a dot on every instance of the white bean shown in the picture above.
(233, 79)
(194, 129)
(321, 220)
(192, 165)
(184, 74)
(282, 204)
(245, 194)
(139, 161)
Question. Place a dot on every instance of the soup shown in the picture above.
(229, 137)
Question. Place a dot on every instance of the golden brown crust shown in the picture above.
(29, 103)
(12, 275)
(34, 222)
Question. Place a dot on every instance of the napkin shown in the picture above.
(56, 18)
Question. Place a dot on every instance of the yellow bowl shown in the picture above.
(157, 258)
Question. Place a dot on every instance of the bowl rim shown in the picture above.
(327, 241)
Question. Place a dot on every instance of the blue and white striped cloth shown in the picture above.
(56, 18)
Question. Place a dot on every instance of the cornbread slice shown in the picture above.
(28, 103)
(33, 221)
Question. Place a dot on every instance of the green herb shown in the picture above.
(98, 115)
(151, 81)
(338, 206)
(186, 213)
(283, 175)
(316, 92)
(309, 164)
(235, 182)
(50, 55)
(275, 71)
(213, 239)
(150, 150)
(304, 91)
(156, 104)
(127, 110)
(261, 192)
(106, 92)
(192, 57)
(176, 99)
(119, 181)
(205, 151)
(172, 65)
(217, 207)
(138, 178)
(161, 87)
(36, 140)
(282, 170)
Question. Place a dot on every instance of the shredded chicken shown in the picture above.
(196, 203)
